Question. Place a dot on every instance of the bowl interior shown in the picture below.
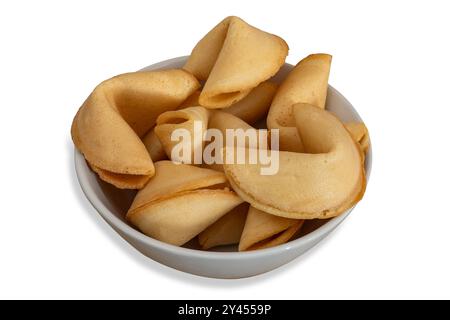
(117, 201)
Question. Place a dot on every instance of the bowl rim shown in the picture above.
(82, 171)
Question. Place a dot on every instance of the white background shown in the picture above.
(391, 60)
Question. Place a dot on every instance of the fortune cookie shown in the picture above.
(222, 121)
(234, 58)
(225, 231)
(255, 105)
(263, 230)
(154, 146)
(360, 134)
(191, 101)
(321, 183)
(108, 126)
(191, 119)
(181, 201)
(306, 83)
(250, 109)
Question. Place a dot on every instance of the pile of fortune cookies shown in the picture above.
(123, 129)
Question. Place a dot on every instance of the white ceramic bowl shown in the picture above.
(112, 204)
